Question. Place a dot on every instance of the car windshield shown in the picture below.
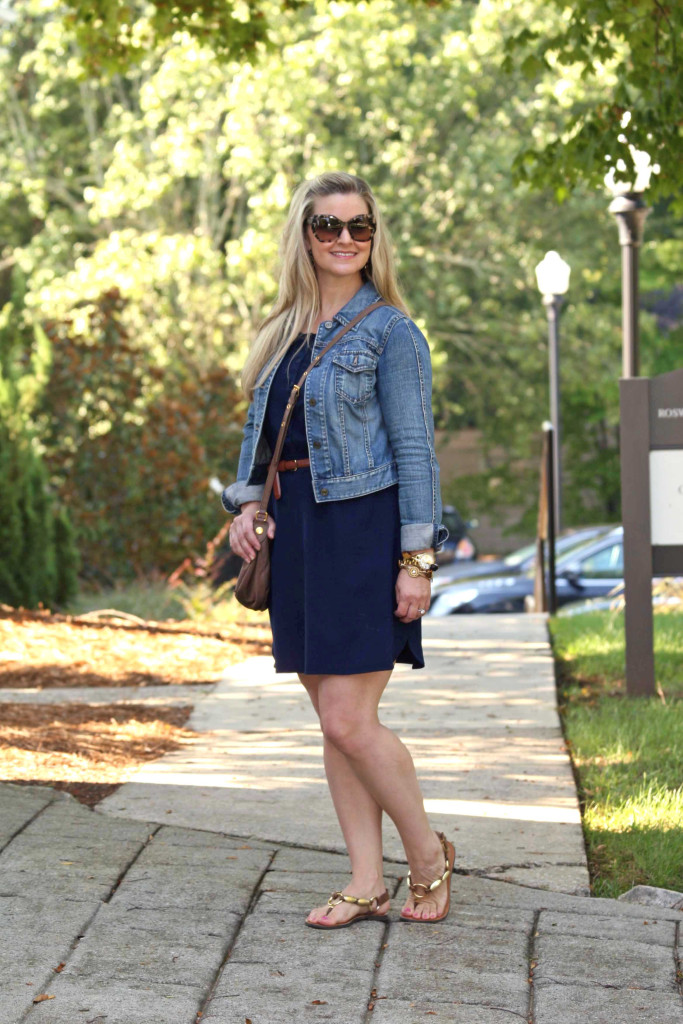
(521, 555)
(572, 545)
(563, 544)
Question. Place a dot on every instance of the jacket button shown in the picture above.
(316, 444)
(311, 401)
(324, 491)
(328, 324)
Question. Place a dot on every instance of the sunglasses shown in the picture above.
(327, 228)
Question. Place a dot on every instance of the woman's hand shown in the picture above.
(412, 594)
(243, 539)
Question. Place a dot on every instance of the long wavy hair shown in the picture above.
(298, 300)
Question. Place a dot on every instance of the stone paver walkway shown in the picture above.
(181, 899)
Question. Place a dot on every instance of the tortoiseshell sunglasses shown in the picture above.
(327, 228)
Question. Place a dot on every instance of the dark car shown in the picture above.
(590, 569)
(517, 562)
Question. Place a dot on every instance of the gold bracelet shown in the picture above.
(416, 565)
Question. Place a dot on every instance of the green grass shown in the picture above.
(627, 752)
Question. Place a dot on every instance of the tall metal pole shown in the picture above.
(553, 304)
(630, 211)
(552, 519)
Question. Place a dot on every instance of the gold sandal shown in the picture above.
(372, 904)
(449, 853)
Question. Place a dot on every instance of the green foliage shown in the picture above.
(627, 752)
(38, 557)
(142, 208)
(623, 62)
(115, 33)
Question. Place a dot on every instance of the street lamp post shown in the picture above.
(630, 212)
(552, 275)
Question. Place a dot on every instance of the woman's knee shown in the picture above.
(347, 733)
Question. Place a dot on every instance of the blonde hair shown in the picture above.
(298, 299)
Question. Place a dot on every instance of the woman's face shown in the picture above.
(343, 256)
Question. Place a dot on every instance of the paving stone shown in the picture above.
(225, 883)
(18, 804)
(647, 928)
(287, 944)
(579, 960)
(116, 1003)
(651, 896)
(149, 946)
(485, 967)
(69, 852)
(393, 1011)
(572, 879)
(265, 994)
(35, 937)
(571, 1004)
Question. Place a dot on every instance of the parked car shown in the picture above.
(589, 569)
(519, 561)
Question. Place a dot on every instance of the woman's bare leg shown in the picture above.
(360, 818)
(347, 706)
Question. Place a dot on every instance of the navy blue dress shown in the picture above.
(334, 564)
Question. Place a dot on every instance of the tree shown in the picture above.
(145, 207)
(619, 87)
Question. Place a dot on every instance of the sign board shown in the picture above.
(651, 432)
(666, 496)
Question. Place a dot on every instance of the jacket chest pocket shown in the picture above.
(354, 375)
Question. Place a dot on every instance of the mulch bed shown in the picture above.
(38, 649)
(84, 749)
(90, 749)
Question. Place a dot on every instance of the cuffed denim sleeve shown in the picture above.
(418, 536)
(404, 388)
(237, 494)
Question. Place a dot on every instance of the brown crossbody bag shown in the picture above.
(253, 583)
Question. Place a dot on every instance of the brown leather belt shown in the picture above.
(286, 466)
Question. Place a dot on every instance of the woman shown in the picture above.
(359, 494)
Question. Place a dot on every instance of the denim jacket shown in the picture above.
(369, 421)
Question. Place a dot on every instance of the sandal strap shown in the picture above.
(426, 889)
(374, 903)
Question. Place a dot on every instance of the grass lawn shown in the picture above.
(627, 752)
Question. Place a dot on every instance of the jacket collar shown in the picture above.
(365, 296)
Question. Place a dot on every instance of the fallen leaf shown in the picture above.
(59, 967)
(318, 1002)
(41, 999)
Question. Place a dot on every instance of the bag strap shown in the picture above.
(262, 514)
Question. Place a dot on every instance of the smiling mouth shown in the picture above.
(345, 255)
